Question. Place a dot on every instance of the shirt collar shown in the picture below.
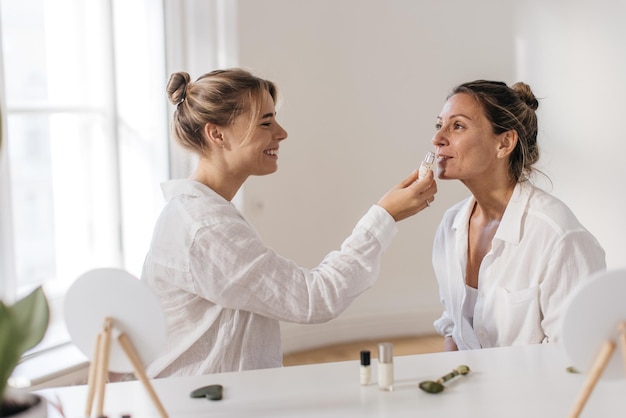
(510, 228)
(180, 187)
(510, 225)
(461, 221)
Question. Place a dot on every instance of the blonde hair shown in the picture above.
(218, 97)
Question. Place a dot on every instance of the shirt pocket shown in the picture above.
(518, 316)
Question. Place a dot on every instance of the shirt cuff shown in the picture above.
(380, 224)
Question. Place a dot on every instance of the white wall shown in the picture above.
(362, 83)
(573, 54)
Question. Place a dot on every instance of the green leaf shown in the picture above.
(22, 326)
(30, 318)
(8, 356)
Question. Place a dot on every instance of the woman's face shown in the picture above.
(466, 146)
(258, 153)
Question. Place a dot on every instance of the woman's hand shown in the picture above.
(449, 344)
(410, 196)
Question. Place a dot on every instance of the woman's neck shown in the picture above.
(218, 180)
(492, 197)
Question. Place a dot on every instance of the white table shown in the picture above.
(524, 381)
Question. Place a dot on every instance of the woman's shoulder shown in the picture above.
(551, 209)
(545, 202)
(197, 204)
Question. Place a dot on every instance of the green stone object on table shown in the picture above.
(431, 386)
(437, 386)
(211, 392)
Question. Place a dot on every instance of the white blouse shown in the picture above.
(224, 291)
(538, 255)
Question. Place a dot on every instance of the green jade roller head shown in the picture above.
(437, 386)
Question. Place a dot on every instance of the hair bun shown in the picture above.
(525, 93)
(177, 87)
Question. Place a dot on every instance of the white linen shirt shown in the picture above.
(539, 253)
(224, 292)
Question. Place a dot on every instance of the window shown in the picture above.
(85, 139)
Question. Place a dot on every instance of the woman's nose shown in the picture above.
(438, 139)
(281, 134)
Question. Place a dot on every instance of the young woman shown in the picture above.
(507, 256)
(223, 291)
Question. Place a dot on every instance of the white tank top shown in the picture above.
(471, 295)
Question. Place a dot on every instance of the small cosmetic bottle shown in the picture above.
(427, 165)
(385, 366)
(366, 370)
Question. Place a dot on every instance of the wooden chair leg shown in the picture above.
(602, 359)
(622, 338)
(103, 367)
(130, 351)
(93, 372)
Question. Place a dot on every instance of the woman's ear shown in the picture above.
(213, 135)
(507, 142)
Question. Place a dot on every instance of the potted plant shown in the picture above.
(22, 326)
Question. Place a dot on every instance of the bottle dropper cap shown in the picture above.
(365, 358)
(385, 352)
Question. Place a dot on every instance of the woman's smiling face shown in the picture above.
(256, 153)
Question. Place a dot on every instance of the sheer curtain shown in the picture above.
(85, 139)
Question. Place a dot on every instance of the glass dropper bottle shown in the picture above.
(426, 165)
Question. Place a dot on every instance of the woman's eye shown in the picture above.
(437, 126)
(458, 126)
(268, 124)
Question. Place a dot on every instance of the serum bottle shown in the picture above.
(366, 370)
(426, 165)
(385, 366)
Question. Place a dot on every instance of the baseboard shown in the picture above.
(349, 328)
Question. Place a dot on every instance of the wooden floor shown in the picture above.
(351, 351)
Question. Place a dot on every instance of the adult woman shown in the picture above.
(223, 291)
(507, 256)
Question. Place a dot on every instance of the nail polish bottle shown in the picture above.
(385, 366)
(366, 370)
(426, 165)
